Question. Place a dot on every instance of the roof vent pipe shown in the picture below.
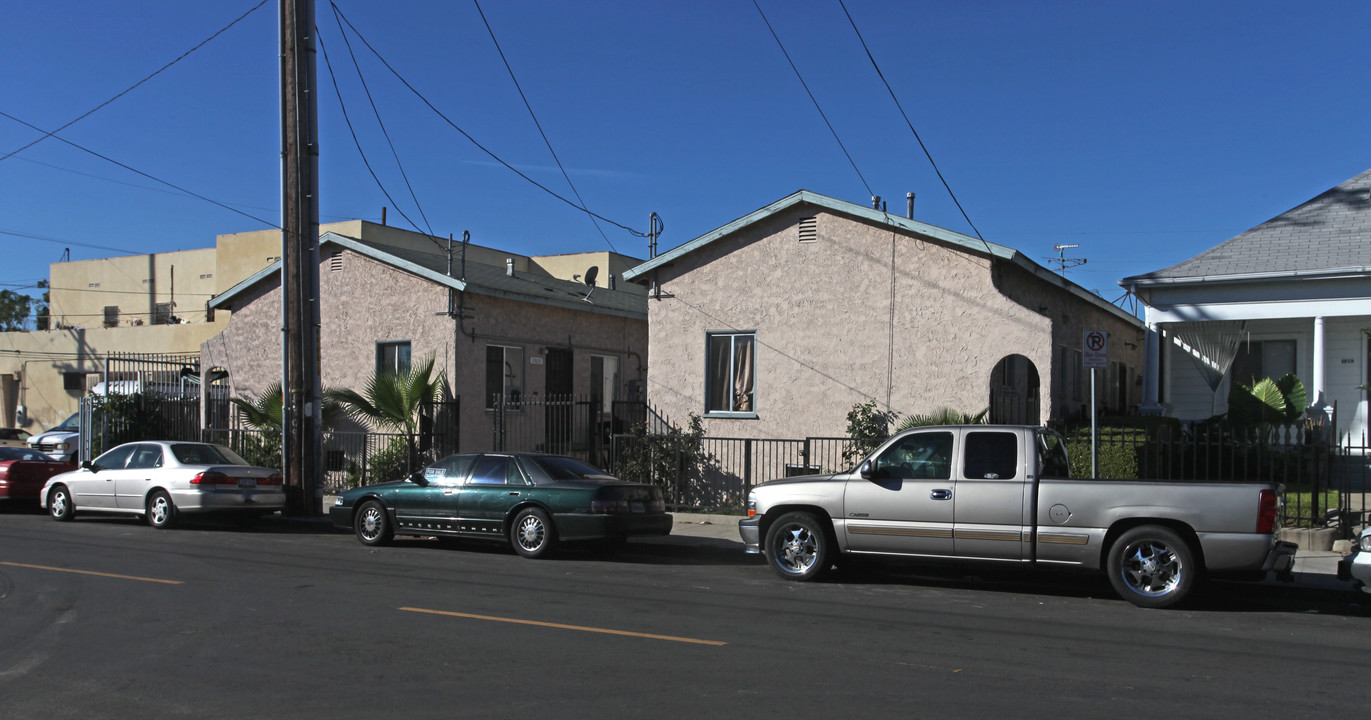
(509, 267)
(909, 205)
(875, 202)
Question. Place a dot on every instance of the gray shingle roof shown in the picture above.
(1330, 232)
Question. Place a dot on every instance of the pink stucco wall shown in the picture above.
(863, 313)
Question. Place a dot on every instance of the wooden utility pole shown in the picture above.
(301, 434)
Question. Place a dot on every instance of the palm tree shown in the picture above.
(267, 411)
(943, 416)
(394, 400)
(266, 414)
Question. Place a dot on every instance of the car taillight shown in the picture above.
(1268, 507)
(609, 505)
(210, 477)
(273, 479)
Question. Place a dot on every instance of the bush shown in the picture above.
(391, 462)
(661, 459)
(1120, 450)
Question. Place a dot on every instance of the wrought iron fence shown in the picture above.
(718, 473)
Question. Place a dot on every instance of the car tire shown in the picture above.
(60, 505)
(798, 547)
(372, 524)
(161, 512)
(532, 534)
(1152, 567)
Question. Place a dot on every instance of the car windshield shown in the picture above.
(13, 453)
(564, 468)
(198, 454)
(71, 424)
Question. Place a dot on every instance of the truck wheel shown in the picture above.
(797, 547)
(1152, 567)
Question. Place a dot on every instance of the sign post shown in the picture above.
(1096, 357)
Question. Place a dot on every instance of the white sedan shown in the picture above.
(1356, 566)
(160, 480)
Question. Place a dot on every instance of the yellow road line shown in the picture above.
(91, 572)
(564, 627)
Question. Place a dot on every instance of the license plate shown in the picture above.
(247, 482)
(636, 507)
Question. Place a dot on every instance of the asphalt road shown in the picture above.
(108, 618)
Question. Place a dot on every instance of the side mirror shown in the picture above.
(88, 465)
(417, 477)
(867, 471)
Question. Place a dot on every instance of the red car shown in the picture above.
(23, 473)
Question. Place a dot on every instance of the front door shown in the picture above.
(96, 489)
(430, 503)
(907, 505)
(560, 403)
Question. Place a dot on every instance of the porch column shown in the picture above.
(1317, 395)
(1152, 347)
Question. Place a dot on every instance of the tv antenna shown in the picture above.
(1064, 262)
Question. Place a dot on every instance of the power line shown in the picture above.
(358, 143)
(540, 125)
(140, 172)
(465, 134)
(812, 99)
(907, 121)
(377, 113)
(130, 88)
(59, 241)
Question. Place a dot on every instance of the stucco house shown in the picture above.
(776, 324)
(498, 324)
(1290, 295)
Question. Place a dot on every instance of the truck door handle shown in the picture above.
(940, 494)
(514, 493)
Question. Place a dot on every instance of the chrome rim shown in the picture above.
(159, 509)
(796, 548)
(531, 532)
(1151, 568)
(371, 522)
(59, 504)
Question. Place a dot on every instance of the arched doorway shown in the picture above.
(1014, 392)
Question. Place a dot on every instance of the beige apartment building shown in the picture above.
(161, 304)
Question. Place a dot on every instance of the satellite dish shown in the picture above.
(591, 275)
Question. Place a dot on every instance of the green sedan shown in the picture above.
(530, 500)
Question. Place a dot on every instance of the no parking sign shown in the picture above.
(1096, 349)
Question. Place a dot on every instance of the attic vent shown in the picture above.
(335, 261)
(809, 229)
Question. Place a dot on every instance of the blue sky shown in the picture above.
(1142, 132)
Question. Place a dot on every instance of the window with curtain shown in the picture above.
(730, 381)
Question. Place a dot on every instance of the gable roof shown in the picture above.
(943, 236)
(480, 279)
(1328, 235)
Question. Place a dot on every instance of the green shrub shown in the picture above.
(391, 463)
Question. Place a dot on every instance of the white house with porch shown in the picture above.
(1290, 295)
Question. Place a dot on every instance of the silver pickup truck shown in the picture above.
(1004, 493)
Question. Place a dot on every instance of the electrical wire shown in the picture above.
(358, 143)
(468, 136)
(140, 172)
(907, 121)
(812, 99)
(539, 125)
(132, 87)
(377, 113)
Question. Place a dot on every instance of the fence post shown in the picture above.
(747, 463)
